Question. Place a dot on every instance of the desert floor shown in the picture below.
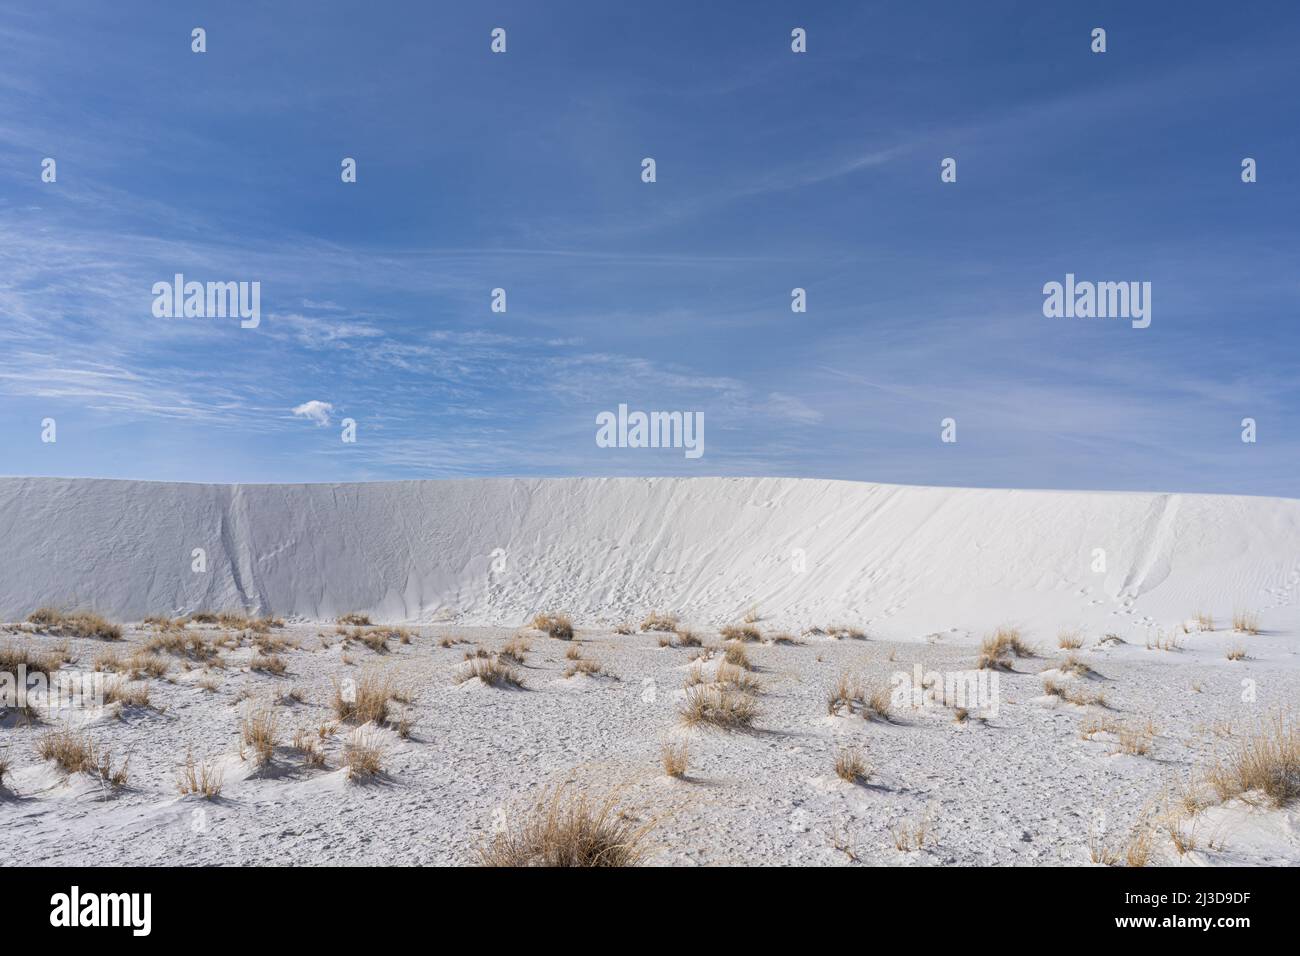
(1024, 787)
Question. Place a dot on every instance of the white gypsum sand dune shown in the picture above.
(1097, 750)
(898, 559)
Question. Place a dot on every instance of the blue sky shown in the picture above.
(774, 170)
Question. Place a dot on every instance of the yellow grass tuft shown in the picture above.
(674, 758)
(851, 767)
(558, 626)
(202, 779)
(363, 755)
(1266, 761)
(259, 729)
(490, 670)
(718, 706)
(1069, 640)
(1245, 622)
(78, 753)
(741, 632)
(564, 830)
(363, 700)
(654, 621)
(51, 621)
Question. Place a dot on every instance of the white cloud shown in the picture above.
(319, 412)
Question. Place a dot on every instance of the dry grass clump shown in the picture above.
(1069, 640)
(364, 700)
(695, 676)
(202, 779)
(268, 664)
(377, 641)
(210, 682)
(273, 644)
(996, 649)
(118, 691)
(654, 621)
(1267, 761)
(852, 694)
(182, 644)
(1074, 664)
(741, 632)
(1136, 851)
(1163, 642)
(516, 649)
(1140, 843)
(309, 746)
(729, 675)
(1245, 622)
(685, 637)
(565, 831)
(492, 671)
(1072, 695)
(354, 620)
(260, 730)
(1236, 653)
(383, 635)
(910, 835)
(14, 656)
(720, 706)
(841, 631)
(736, 656)
(6, 764)
(363, 755)
(851, 767)
(84, 624)
(557, 626)
(785, 638)
(1204, 621)
(242, 622)
(78, 753)
(1134, 741)
(581, 666)
(674, 758)
(142, 665)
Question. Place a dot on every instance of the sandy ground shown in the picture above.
(1022, 787)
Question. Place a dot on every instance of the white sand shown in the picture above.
(925, 572)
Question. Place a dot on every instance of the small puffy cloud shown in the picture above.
(319, 412)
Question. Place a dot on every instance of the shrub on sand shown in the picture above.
(1245, 622)
(491, 671)
(567, 830)
(202, 779)
(363, 755)
(260, 730)
(82, 624)
(674, 758)
(78, 753)
(719, 706)
(741, 632)
(850, 766)
(557, 626)
(654, 621)
(1267, 762)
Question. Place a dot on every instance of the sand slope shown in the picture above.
(901, 560)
